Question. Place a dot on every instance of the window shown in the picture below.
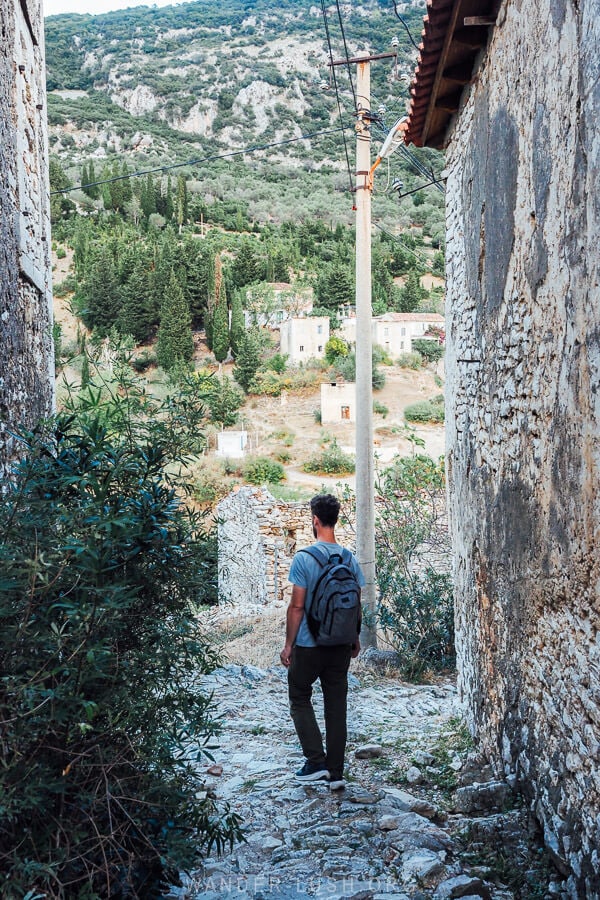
(402, 345)
(403, 331)
(319, 329)
(386, 332)
(320, 348)
(345, 412)
(301, 348)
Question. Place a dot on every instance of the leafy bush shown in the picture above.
(380, 408)
(261, 470)
(317, 415)
(346, 367)
(60, 252)
(332, 461)
(277, 363)
(425, 411)
(412, 360)
(418, 618)
(413, 562)
(64, 287)
(143, 362)
(102, 721)
(431, 350)
(335, 347)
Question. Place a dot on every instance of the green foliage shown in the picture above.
(332, 461)
(380, 409)
(57, 341)
(412, 293)
(431, 350)
(334, 348)
(220, 319)
(223, 399)
(413, 559)
(143, 362)
(247, 361)
(100, 649)
(346, 367)
(278, 363)
(425, 411)
(412, 360)
(335, 286)
(418, 618)
(238, 325)
(175, 343)
(262, 470)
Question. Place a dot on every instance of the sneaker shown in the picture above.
(336, 783)
(311, 772)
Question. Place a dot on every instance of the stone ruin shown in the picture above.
(258, 536)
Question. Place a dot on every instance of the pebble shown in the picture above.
(414, 775)
(372, 841)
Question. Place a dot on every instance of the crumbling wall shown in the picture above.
(26, 354)
(523, 422)
(258, 536)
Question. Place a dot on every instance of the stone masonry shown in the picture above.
(26, 354)
(523, 423)
(258, 536)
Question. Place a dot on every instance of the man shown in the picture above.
(306, 661)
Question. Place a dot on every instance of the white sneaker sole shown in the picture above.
(315, 776)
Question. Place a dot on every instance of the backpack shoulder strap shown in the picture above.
(315, 554)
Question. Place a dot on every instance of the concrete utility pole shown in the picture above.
(365, 469)
(365, 476)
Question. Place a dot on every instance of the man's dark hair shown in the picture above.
(326, 508)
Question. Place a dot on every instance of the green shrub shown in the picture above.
(332, 461)
(269, 383)
(277, 363)
(64, 287)
(418, 618)
(334, 348)
(60, 252)
(102, 721)
(143, 362)
(431, 350)
(261, 470)
(425, 411)
(412, 360)
(317, 416)
(380, 408)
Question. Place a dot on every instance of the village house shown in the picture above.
(395, 332)
(26, 351)
(338, 402)
(304, 337)
(512, 90)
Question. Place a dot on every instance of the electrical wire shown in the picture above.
(394, 237)
(347, 55)
(200, 161)
(404, 24)
(337, 96)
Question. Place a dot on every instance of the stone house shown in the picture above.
(26, 351)
(258, 536)
(338, 403)
(304, 337)
(512, 90)
(395, 331)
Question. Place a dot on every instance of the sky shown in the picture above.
(95, 7)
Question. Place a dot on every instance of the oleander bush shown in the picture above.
(102, 567)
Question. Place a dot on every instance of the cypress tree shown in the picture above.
(246, 268)
(412, 292)
(238, 325)
(220, 320)
(175, 344)
(85, 177)
(101, 293)
(247, 361)
(93, 191)
(126, 184)
(181, 204)
(136, 316)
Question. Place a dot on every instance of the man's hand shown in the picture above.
(286, 655)
(355, 649)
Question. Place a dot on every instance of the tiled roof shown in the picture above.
(409, 317)
(454, 32)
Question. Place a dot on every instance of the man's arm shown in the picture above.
(295, 612)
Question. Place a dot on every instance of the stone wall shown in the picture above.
(26, 355)
(523, 420)
(258, 536)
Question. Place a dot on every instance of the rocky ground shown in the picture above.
(420, 816)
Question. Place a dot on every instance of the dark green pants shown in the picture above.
(330, 665)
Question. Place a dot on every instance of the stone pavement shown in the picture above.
(386, 835)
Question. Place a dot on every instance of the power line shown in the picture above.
(197, 162)
(394, 237)
(404, 24)
(346, 54)
(337, 96)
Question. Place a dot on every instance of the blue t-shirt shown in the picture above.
(304, 572)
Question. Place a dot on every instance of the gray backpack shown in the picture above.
(333, 612)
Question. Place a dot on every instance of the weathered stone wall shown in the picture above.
(523, 424)
(26, 356)
(258, 536)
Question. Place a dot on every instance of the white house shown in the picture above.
(338, 403)
(395, 331)
(304, 337)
